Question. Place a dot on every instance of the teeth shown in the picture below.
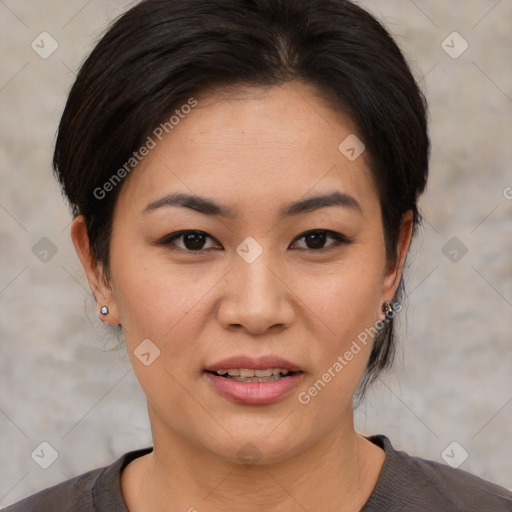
(262, 373)
(256, 379)
(247, 373)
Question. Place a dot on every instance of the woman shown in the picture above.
(244, 178)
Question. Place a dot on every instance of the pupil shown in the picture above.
(197, 241)
(318, 239)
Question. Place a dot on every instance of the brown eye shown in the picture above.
(315, 240)
(192, 241)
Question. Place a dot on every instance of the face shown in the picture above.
(266, 275)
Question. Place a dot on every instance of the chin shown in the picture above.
(259, 447)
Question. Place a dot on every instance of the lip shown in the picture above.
(254, 363)
(254, 393)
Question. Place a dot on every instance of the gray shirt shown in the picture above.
(406, 483)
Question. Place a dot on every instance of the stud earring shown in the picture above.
(387, 308)
(104, 310)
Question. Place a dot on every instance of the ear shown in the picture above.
(94, 270)
(393, 272)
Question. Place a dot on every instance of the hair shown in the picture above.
(160, 53)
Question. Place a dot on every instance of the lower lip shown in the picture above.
(255, 393)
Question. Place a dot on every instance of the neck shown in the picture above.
(338, 473)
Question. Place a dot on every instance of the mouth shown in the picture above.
(254, 381)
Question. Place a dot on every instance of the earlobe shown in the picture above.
(94, 270)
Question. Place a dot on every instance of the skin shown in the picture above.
(253, 150)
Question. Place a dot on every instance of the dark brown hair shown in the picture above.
(161, 52)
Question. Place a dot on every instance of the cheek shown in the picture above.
(345, 305)
(347, 300)
(159, 300)
(166, 305)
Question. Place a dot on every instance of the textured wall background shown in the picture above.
(62, 383)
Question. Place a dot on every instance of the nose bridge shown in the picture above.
(257, 281)
(258, 297)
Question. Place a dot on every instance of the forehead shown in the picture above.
(254, 144)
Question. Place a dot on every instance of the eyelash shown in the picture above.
(338, 237)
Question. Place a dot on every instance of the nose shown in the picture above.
(256, 297)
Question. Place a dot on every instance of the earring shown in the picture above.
(104, 310)
(387, 308)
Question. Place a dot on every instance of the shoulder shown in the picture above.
(95, 491)
(73, 494)
(419, 485)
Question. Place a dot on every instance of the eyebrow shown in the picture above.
(208, 206)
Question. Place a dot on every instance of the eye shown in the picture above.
(315, 240)
(193, 241)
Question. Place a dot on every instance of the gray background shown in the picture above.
(61, 380)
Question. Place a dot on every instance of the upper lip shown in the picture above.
(253, 363)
